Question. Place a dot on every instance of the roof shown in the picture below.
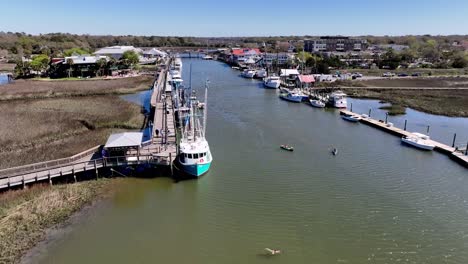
(116, 50)
(287, 72)
(246, 51)
(84, 59)
(126, 139)
(155, 51)
(306, 78)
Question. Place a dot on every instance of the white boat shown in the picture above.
(418, 140)
(194, 152)
(272, 82)
(352, 118)
(305, 97)
(317, 103)
(248, 73)
(338, 100)
(177, 64)
(291, 97)
(260, 73)
(207, 57)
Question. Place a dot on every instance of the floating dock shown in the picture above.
(458, 156)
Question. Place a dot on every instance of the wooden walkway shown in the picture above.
(448, 150)
(161, 150)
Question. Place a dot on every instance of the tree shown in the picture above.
(460, 62)
(40, 62)
(101, 64)
(130, 58)
(22, 68)
(78, 51)
(70, 63)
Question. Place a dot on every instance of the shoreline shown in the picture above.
(53, 234)
(37, 216)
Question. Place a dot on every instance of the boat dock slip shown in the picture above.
(458, 156)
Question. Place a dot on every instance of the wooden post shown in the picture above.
(453, 142)
(170, 163)
(74, 175)
(96, 170)
(370, 110)
(466, 149)
(405, 124)
(50, 179)
(351, 107)
(428, 129)
(386, 117)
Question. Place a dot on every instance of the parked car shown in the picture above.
(388, 74)
(416, 74)
(402, 74)
(357, 75)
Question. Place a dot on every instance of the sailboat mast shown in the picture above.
(206, 108)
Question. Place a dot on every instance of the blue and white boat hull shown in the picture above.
(196, 170)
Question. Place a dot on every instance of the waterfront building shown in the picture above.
(116, 52)
(335, 43)
(239, 55)
(154, 53)
(281, 58)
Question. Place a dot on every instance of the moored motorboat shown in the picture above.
(291, 97)
(248, 73)
(273, 82)
(317, 103)
(260, 73)
(352, 118)
(338, 99)
(418, 140)
(194, 158)
(207, 57)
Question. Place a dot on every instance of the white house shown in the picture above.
(116, 52)
(152, 53)
(279, 58)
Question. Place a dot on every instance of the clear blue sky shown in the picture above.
(236, 18)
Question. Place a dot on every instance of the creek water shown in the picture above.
(3, 79)
(377, 201)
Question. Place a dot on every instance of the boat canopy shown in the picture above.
(288, 72)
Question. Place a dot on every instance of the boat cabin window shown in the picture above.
(195, 156)
(189, 156)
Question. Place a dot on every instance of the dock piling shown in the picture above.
(351, 107)
(428, 129)
(466, 149)
(386, 117)
(453, 142)
(406, 121)
(370, 110)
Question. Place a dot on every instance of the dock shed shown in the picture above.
(118, 144)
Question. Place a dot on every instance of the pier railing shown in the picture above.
(48, 173)
(48, 164)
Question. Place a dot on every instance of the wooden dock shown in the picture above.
(160, 150)
(458, 156)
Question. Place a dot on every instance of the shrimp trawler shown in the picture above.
(194, 156)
